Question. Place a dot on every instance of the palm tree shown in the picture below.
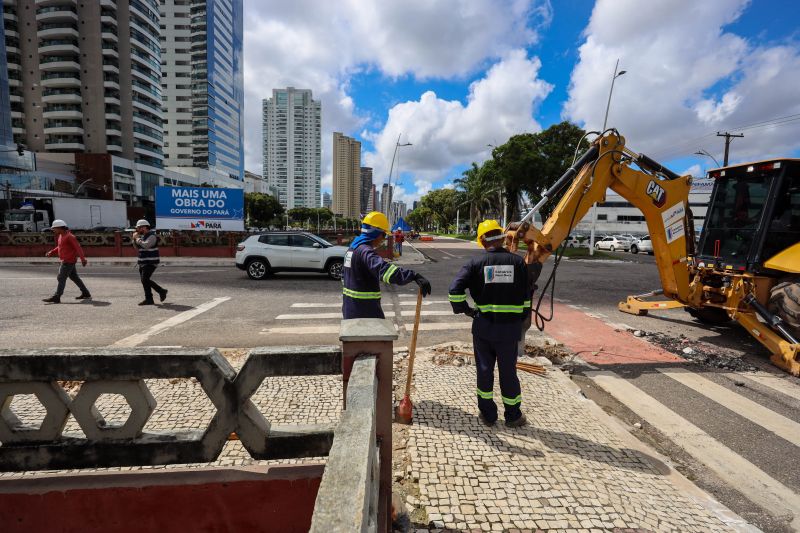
(476, 191)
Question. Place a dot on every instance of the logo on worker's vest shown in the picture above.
(657, 193)
(498, 274)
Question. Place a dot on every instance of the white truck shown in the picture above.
(36, 214)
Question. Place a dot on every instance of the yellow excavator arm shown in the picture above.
(661, 196)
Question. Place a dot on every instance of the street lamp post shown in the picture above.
(605, 122)
(705, 153)
(391, 168)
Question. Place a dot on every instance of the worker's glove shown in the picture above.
(424, 284)
(472, 313)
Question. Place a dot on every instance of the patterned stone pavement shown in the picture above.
(565, 471)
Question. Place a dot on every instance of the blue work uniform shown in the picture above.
(363, 271)
(501, 287)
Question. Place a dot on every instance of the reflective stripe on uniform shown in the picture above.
(492, 308)
(526, 303)
(387, 276)
(455, 298)
(485, 395)
(512, 401)
(361, 295)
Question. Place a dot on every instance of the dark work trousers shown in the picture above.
(69, 270)
(145, 272)
(505, 354)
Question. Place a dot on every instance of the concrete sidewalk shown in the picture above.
(411, 256)
(572, 468)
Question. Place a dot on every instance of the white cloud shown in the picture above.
(687, 77)
(447, 133)
(320, 45)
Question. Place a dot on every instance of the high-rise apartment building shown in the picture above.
(203, 84)
(366, 188)
(326, 200)
(386, 199)
(292, 128)
(346, 176)
(86, 77)
(372, 199)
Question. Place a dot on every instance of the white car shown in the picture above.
(612, 244)
(642, 245)
(276, 251)
(574, 242)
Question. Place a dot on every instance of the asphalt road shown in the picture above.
(751, 417)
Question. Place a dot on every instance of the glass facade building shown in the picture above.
(203, 83)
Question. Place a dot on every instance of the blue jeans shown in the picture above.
(69, 270)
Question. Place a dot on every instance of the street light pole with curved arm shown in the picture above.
(391, 168)
(704, 152)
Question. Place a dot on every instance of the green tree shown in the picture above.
(420, 218)
(532, 162)
(261, 209)
(479, 194)
(443, 203)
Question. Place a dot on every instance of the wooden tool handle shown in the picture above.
(413, 348)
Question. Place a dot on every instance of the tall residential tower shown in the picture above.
(203, 84)
(292, 131)
(86, 77)
(346, 176)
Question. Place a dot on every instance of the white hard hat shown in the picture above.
(58, 223)
(142, 222)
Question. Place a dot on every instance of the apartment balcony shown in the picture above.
(147, 150)
(146, 105)
(53, 63)
(63, 130)
(61, 79)
(110, 50)
(113, 130)
(111, 84)
(114, 100)
(58, 31)
(58, 13)
(110, 67)
(17, 114)
(108, 36)
(110, 4)
(111, 115)
(62, 114)
(62, 98)
(51, 47)
(106, 19)
(66, 144)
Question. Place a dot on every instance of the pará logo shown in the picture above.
(656, 193)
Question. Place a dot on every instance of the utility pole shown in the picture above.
(8, 194)
(728, 137)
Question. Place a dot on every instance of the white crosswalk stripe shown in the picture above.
(389, 314)
(756, 484)
(338, 305)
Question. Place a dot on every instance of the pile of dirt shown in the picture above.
(699, 352)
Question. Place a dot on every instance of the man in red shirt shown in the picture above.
(68, 250)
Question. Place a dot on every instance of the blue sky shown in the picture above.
(452, 76)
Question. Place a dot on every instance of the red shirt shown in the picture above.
(68, 248)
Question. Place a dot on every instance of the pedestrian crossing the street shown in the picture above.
(323, 318)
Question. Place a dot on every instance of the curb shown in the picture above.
(99, 262)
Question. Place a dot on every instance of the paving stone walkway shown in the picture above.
(565, 471)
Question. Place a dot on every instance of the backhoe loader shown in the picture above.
(747, 264)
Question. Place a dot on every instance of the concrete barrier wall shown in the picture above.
(279, 499)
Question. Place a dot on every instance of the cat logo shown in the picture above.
(658, 194)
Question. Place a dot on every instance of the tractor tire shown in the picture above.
(784, 301)
(712, 316)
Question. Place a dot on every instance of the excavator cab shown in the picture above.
(753, 215)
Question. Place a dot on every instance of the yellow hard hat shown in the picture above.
(376, 219)
(487, 226)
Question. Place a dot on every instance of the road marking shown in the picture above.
(139, 338)
(334, 328)
(776, 383)
(339, 304)
(388, 314)
(754, 483)
(758, 414)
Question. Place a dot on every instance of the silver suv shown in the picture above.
(283, 251)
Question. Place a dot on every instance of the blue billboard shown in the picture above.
(200, 208)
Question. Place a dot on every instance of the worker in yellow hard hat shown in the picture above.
(364, 270)
(501, 288)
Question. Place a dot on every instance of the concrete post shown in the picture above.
(374, 336)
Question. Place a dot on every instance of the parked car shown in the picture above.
(612, 244)
(627, 240)
(283, 251)
(642, 245)
(574, 242)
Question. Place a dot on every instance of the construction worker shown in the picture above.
(146, 243)
(364, 270)
(69, 251)
(499, 284)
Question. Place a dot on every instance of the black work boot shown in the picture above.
(53, 300)
(84, 296)
(163, 295)
(519, 422)
(147, 302)
(485, 421)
